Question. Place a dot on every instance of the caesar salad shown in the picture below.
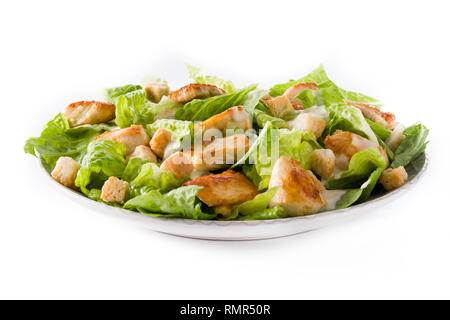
(209, 150)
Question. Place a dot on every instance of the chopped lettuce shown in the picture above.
(361, 166)
(252, 100)
(262, 118)
(182, 132)
(413, 145)
(178, 203)
(348, 118)
(104, 158)
(59, 140)
(134, 108)
(111, 94)
(258, 203)
(133, 168)
(151, 177)
(202, 109)
(380, 131)
(197, 75)
(276, 212)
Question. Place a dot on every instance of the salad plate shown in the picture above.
(213, 161)
(247, 230)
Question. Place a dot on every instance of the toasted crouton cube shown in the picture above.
(323, 161)
(143, 152)
(131, 137)
(280, 106)
(396, 137)
(89, 112)
(65, 171)
(114, 190)
(160, 141)
(180, 164)
(307, 122)
(156, 90)
(393, 178)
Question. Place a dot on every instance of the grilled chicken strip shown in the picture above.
(299, 192)
(89, 112)
(221, 153)
(345, 144)
(195, 91)
(295, 90)
(179, 163)
(233, 118)
(385, 119)
(226, 188)
(131, 137)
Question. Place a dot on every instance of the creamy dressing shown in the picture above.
(170, 148)
(332, 197)
(318, 112)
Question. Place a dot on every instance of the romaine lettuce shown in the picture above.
(104, 158)
(111, 94)
(197, 75)
(266, 214)
(178, 203)
(202, 109)
(59, 140)
(413, 145)
(361, 166)
(182, 133)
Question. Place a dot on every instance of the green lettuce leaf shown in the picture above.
(258, 203)
(111, 94)
(151, 177)
(348, 118)
(266, 214)
(104, 158)
(413, 145)
(262, 118)
(380, 131)
(182, 133)
(361, 166)
(197, 75)
(134, 108)
(202, 109)
(59, 140)
(133, 168)
(178, 203)
(252, 100)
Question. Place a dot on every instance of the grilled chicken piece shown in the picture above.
(144, 153)
(195, 91)
(179, 163)
(233, 118)
(221, 153)
(299, 192)
(159, 142)
(295, 90)
(345, 144)
(89, 112)
(385, 119)
(226, 188)
(131, 137)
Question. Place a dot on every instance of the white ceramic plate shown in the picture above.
(248, 230)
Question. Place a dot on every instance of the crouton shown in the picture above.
(143, 152)
(307, 122)
(233, 118)
(393, 178)
(160, 141)
(299, 192)
(156, 90)
(180, 164)
(322, 163)
(65, 171)
(280, 106)
(396, 137)
(89, 112)
(114, 190)
(226, 188)
(131, 137)
(195, 91)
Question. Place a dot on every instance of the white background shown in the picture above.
(56, 52)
